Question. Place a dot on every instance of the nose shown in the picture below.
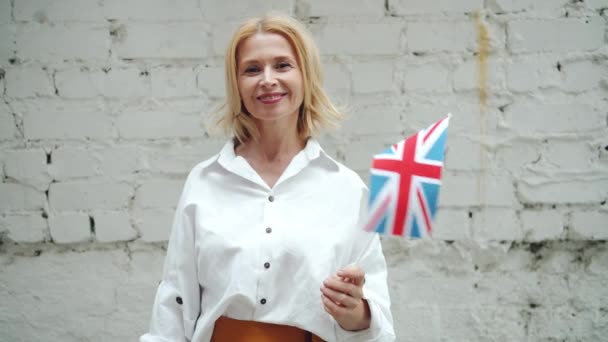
(268, 77)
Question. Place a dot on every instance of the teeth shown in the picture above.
(270, 97)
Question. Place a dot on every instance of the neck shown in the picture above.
(277, 142)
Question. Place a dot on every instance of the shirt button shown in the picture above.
(266, 265)
(271, 198)
(268, 230)
(263, 301)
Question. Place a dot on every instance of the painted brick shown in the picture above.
(557, 323)
(170, 40)
(25, 228)
(158, 193)
(335, 39)
(83, 195)
(8, 130)
(497, 224)
(517, 157)
(589, 225)
(55, 11)
(441, 36)
(555, 35)
(5, 11)
(28, 167)
(408, 7)
(426, 78)
(525, 5)
(336, 79)
(541, 225)
(152, 10)
(52, 120)
(158, 125)
(28, 82)
(595, 4)
(339, 8)
(154, 224)
(121, 161)
(70, 228)
(357, 153)
(69, 162)
(111, 82)
(112, 226)
(599, 264)
(568, 155)
(62, 41)
(211, 81)
(373, 120)
(373, 77)
(532, 73)
(451, 224)
(467, 120)
(464, 153)
(530, 118)
(20, 197)
(7, 42)
(176, 159)
(461, 190)
(466, 75)
(565, 191)
(219, 10)
(173, 82)
(221, 33)
(583, 75)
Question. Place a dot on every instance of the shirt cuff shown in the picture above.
(375, 332)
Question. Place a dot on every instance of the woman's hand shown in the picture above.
(342, 296)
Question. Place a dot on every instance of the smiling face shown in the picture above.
(269, 78)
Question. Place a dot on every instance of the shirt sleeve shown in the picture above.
(177, 302)
(367, 254)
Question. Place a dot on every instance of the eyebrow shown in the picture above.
(278, 58)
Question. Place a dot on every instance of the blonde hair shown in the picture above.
(316, 111)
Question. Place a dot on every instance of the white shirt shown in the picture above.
(241, 249)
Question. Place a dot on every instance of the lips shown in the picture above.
(271, 97)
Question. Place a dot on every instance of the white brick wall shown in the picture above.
(70, 228)
(105, 109)
(111, 226)
(63, 41)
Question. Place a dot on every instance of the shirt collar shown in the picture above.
(228, 159)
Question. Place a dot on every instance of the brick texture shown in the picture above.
(108, 104)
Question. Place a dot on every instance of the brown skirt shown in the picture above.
(233, 330)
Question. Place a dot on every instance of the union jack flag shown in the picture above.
(405, 181)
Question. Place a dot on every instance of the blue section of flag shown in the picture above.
(431, 192)
(436, 152)
(376, 184)
(382, 226)
(415, 230)
(388, 150)
(408, 204)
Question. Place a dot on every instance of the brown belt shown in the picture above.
(233, 330)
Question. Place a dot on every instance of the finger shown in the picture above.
(354, 273)
(339, 298)
(331, 307)
(339, 285)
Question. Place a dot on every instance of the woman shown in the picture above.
(266, 243)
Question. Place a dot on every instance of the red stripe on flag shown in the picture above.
(406, 168)
(373, 223)
(425, 213)
(431, 130)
